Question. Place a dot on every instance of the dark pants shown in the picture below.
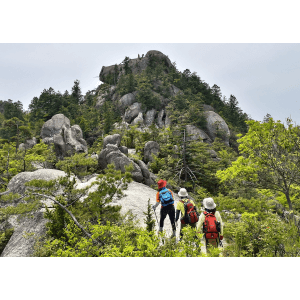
(167, 210)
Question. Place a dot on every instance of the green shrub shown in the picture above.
(4, 238)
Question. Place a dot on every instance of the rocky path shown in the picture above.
(136, 199)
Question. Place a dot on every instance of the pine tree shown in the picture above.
(149, 221)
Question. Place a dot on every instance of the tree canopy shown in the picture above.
(271, 157)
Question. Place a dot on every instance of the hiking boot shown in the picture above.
(173, 234)
(160, 230)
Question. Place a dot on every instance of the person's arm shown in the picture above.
(155, 205)
(157, 201)
(178, 210)
(200, 223)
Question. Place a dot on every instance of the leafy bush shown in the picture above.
(78, 164)
(268, 237)
(4, 238)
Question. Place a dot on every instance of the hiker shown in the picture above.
(189, 214)
(166, 198)
(210, 223)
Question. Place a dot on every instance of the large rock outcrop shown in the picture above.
(17, 183)
(28, 144)
(67, 139)
(150, 148)
(114, 139)
(132, 112)
(26, 232)
(216, 126)
(102, 95)
(27, 229)
(149, 117)
(138, 120)
(136, 200)
(127, 100)
(137, 65)
(194, 133)
(113, 153)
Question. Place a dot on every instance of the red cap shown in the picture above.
(161, 183)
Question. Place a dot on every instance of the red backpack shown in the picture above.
(190, 213)
(211, 227)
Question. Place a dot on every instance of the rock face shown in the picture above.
(27, 229)
(67, 139)
(194, 133)
(28, 144)
(127, 100)
(161, 118)
(150, 148)
(174, 90)
(114, 139)
(208, 108)
(23, 239)
(17, 183)
(149, 117)
(101, 98)
(136, 200)
(132, 112)
(124, 149)
(137, 65)
(212, 153)
(138, 120)
(216, 125)
(112, 155)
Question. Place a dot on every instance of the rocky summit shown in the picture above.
(75, 164)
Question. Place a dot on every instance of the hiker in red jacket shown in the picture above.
(165, 197)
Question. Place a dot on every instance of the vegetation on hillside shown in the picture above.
(254, 183)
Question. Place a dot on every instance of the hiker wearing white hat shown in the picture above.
(210, 223)
(189, 214)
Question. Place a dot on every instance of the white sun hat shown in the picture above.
(209, 203)
(183, 193)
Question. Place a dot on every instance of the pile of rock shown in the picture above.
(113, 153)
(66, 139)
(28, 144)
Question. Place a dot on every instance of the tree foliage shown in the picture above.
(270, 158)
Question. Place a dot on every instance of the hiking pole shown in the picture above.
(157, 222)
(155, 216)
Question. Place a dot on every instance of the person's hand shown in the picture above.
(154, 207)
(221, 237)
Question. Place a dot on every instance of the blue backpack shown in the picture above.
(165, 197)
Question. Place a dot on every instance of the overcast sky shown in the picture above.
(263, 77)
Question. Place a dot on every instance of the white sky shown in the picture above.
(248, 52)
(263, 77)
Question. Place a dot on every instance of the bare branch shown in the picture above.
(71, 215)
(5, 193)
